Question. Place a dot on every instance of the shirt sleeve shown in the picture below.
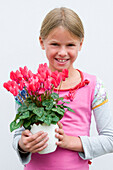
(103, 143)
(24, 157)
(100, 95)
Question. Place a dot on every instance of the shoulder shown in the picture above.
(100, 94)
(92, 80)
(90, 77)
(97, 89)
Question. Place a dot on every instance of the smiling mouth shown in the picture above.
(61, 61)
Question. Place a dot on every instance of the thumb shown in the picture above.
(26, 133)
(60, 125)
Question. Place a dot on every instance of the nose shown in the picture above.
(62, 52)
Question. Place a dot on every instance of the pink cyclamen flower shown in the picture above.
(12, 86)
(6, 85)
(41, 77)
(37, 85)
(19, 76)
(32, 87)
(21, 85)
(16, 76)
(24, 71)
(54, 74)
(48, 73)
(43, 80)
(30, 74)
(59, 78)
(47, 84)
(13, 75)
(53, 81)
(14, 90)
(64, 74)
(44, 71)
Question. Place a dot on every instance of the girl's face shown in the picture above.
(61, 48)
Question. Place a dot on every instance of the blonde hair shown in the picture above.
(62, 17)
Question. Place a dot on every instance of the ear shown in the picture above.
(81, 43)
(41, 43)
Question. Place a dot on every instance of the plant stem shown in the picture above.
(29, 95)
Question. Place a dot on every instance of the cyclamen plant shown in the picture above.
(40, 104)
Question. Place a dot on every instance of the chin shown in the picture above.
(61, 68)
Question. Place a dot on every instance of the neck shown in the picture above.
(73, 79)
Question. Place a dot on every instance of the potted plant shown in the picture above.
(40, 106)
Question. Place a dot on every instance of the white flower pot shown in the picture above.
(51, 134)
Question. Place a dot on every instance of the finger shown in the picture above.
(40, 144)
(60, 137)
(60, 131)
(34, 143)
(40, 149)
(26, 133)
(59, 143)
(33, 137)
(39, 139)
(60, 125)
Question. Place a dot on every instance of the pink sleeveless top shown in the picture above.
(74, 124)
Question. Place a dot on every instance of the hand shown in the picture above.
(33, 142)
(63, 138)
(68, 142)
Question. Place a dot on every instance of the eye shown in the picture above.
(70, 45)
(54, 44)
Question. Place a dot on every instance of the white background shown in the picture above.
(20, 22)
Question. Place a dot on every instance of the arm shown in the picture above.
(68, 142)
(24, 157)
(103, 143)
(91, 147)
(26, 143)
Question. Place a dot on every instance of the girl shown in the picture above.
(61, 36)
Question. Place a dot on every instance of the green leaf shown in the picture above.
(38, 111)
(48, 112)
(55, 119)
(33, 119)
(40, 118)
(31, 106)
(26, 124)
(48, 120)
(25, 115)
(59, 110)
(15, 125)
(22, 108)
(29, 127)
(28, 100)
(54, 95)
(17, 116)
(48, 103)
(61, 98)
(31, 114)
(69, 109)
(65, 102)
